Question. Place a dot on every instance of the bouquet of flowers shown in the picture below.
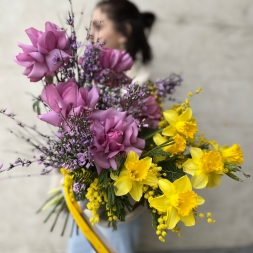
(113, 142)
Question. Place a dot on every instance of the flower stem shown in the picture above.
(152, 134)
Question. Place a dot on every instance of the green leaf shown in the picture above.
(111, 196)
(103, 178)
(120, 161)
(157, 151)
(233, 176)
(171, 170)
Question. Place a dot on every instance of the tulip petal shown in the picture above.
(199, 180)
(37, 56)
(188, 220)
(39, 70)
(167, 187)
(136, 191)
(52, 118)
(93, 97)
(172, 217)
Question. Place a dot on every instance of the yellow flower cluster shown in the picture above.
(112, 214)
(68, 182)
(160, 230)
(96, 198)
(208, 215)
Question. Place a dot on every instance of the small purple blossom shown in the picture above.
(78, 187)
(56, 58)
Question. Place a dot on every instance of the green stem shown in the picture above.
(151, 135)
(65, 224)
(52, 211)
(46, 203)
(57, 215)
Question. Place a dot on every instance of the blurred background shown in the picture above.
(208, 42)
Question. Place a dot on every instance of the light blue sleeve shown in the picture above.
(125, 239)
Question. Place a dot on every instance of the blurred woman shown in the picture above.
(123, 27)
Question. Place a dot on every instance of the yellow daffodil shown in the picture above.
(206, 168)
(182, 124)
(176, 148)
(231, 154)
(178, 200)
(134, 174)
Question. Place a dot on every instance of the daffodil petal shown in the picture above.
(186, 115)
(132, 156)
(123, 185)
(136, 191)
(193, 121)
(150, 180)
(160, 203)
(123, 173)
(183, 184)
(172, 217)
(190, 167)
(114, 177)
(188, 220)
(159, 139)
(171, 116)
(148, 160)
(200, 200)
(196, 154)
(167, 187)
(199, 180)
(169, 131)
(213, 180)
(215, 145)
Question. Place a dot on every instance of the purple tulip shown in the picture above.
(39, 59)
(116, 60)
(114, 63)
(114, 133)
(66, 99)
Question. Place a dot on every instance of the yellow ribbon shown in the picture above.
(81, 222)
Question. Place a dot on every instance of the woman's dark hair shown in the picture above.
(123, 12)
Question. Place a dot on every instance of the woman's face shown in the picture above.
(103, 28)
